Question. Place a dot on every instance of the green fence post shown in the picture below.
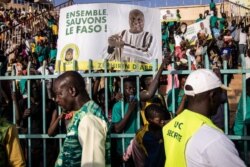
(29, 119)
(44, 112)
(243, 63)
(226, 104)
(0, 87)
(106, 87)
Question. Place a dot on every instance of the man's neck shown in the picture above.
(200, 109)
(79, 103)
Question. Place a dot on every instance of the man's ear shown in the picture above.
(72, 91)
(212, 95)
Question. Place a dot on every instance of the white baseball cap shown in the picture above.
(202, 80)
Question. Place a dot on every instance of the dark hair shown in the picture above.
(180, 76)
(153, 109)
(69, 50)
(130, 79)
(102, 91)
(135, 12)
(247, 82)
(142, 80)
(74, 79)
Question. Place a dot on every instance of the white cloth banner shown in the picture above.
(169, 15)
(193, 29)
(118, 33)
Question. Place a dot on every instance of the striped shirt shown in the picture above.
(87, 141)
(138, 47)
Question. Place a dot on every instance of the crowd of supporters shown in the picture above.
(229, 39)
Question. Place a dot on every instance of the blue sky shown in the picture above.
(149, 3)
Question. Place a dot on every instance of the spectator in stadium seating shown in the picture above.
(53, 128)
(207, 14)
(100, 100)
(216, 31)
(147, 146)
(239, 122)
(54, 31)
(240, 125)
(223, 21)
(179, 94)
(242, 40)
(178, 38)
(178, 15)
(200, 18)
(34, 112)
(212, 5)
(149, 87)
(232, 28)
(203, 32)
(52, 53)
(213, 19)
(126, 123)
(52, 112)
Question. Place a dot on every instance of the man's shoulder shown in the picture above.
(91, 108)
(91, 120)
(207, 136)
(171, 123)
(5, 124)
(209, 131)
(90, 105)
(211, 146)
(177, 90)
(143, 33)
(6, 130)
(118, 104)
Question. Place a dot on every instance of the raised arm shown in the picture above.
(54, 123)
(148, 94)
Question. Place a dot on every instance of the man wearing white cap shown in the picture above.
(191, 139)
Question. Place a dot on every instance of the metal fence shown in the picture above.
(106, 74)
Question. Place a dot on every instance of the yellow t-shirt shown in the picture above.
(54, 29)
(13, 148)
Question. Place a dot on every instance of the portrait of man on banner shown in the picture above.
(134, 44)
(201, 28)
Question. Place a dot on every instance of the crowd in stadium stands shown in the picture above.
(230, 37)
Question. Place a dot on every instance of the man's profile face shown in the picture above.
(136, 22)
(129, 89)
(62, 95)
(158, 120)
(218, 99)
